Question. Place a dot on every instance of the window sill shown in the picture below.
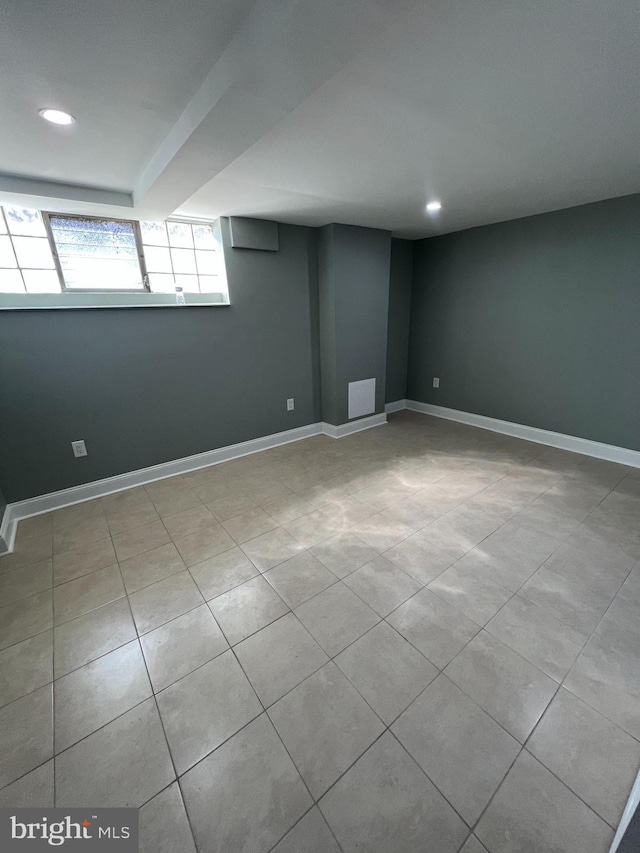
(37, 301)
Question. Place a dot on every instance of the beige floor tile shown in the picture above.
(26, 734)
(310, 834)
(608, 681)
(151, 566)
(590, 570)
(590, 754)
(336, 617)
(25, 581)
(472, 845)
(173, 500)
(222, 573)
(182, 645)
(129, 543)
(313, 528)
(86, 593)
(271, 548)
(279, 657)
(380, 533)
(32, 791)
(569, 601)
(249, 524)
(188, 521)
(419, 558)
(385, 802)
(163, 824)
(247, 608)
(205, 708)
(228, 507)
(122, 519)
(382, 585)
(434, 627)
(26, 618)
(289, 507)
(76, 514)
(83, 560)
(325, 725)
(92, 635)
(478, 597)
(343, 554)
(504, 566)
(386, 670)
(300, 578)
(513, 691)
(538, 636)
(204, 543)
(26, 666)
(162, 601)
(247, 794)
(33, 549)
(534, 812)
(80, 533)
(126, 763)
(88, 698)
(461, 529)
(464, 752)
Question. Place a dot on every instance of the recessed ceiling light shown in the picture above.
(434, 206)
(57, 116)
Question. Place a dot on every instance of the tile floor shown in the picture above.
(423, 637)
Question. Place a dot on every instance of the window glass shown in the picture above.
(25, 221)
(157, 259)
(180, 234)
(7, 256)
(33, 252)
(154, 233)
(11, 281)
(97, 254)
(183, 260)
(41, 281)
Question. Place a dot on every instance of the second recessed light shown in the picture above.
(434, 206)
(57, 116)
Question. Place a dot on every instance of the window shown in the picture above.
(63, 253)
(26, 260)
(181, 254)
(97, 254)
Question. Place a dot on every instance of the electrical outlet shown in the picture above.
(436, 382)
(79, 448)
(290, 404)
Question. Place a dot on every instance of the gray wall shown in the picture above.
(144, 386)
(535, 321)
(354, 301)
(400, 276)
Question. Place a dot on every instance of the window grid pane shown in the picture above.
(190, 261)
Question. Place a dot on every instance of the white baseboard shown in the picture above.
(632, 804)
(355, 426)
(396, 406)
(7, 532)
(585, 446)
(19, 510)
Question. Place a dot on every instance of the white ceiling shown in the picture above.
(353, 111)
